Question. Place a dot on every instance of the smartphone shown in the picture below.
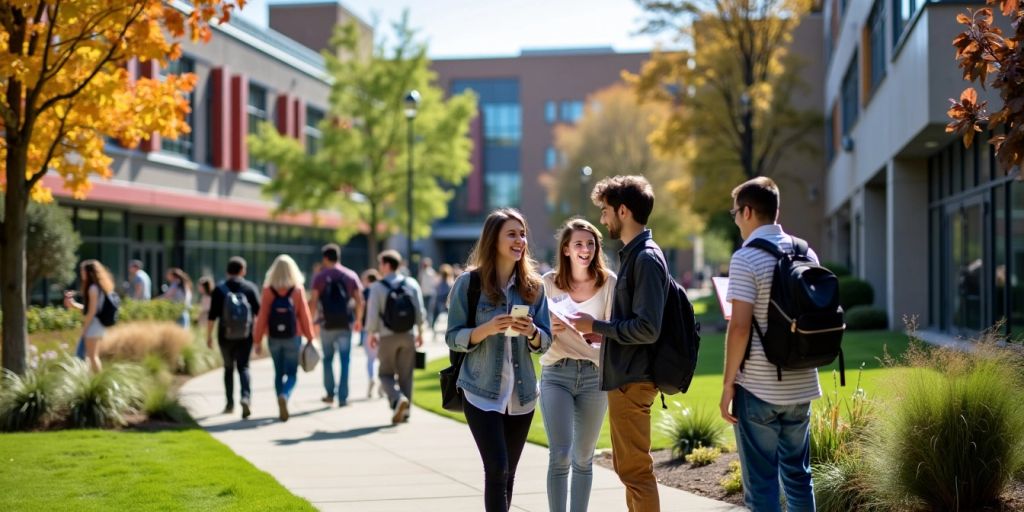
(518, 311)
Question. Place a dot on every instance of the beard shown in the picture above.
(615, 229)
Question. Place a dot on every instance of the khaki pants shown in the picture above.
(629, 415)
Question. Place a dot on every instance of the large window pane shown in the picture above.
(851, 95)
(183, 144)
(313, 135)
(1016, 282)
(257, 112)
(88, 222)
(876, 27)
(502, 190)
(999, 241)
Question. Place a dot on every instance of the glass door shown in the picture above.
(966, 272)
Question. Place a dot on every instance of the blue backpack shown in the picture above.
(281, 323)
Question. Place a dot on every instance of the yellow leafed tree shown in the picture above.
(65, 90)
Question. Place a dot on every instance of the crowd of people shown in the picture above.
(593, 329)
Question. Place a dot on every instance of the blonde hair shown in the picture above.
(284, 273)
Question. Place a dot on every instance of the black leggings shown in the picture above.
(500, 439)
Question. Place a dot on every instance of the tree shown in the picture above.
(52, 245)
(611, 138)
(981, 51)
(65, 89)
(730, 93)
(360, 169)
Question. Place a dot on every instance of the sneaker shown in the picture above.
(369, 391)
(400, 410)
(282, 406)
(327, 399)
(246, 412)
(228, 409)
(342, 403)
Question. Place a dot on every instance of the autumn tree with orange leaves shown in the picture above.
(65, 89)
(992, 59)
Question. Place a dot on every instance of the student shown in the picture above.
(233, 305)
(394, 312)
(180, 291)
(497, 376)
(97, 286)
(140, 285)
(445, 280)
(334, 286)
(771, 417)
(571, 397)
(205, 286)
(626, 203)
(369, 277)
(285, 320)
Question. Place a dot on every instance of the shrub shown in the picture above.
(842, 485)
(703, 456)
(52, 318)
(855, 292)
(732, 483)
(196, 358)
(27, 401)
(158, 310)
(956, 437)
(689, 430)
(161, 403)
(862, 318)
(839, 269)
(104, 399)
(134, 341)
(838, 423)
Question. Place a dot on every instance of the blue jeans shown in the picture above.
(342, 342)
(285, 353)
(573, 408)
(774, 444)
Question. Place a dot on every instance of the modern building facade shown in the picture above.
(936, 228)
(521, 101)
(196, 201)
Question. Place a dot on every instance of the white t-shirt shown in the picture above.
(599, 306)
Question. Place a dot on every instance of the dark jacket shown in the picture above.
(252, 294)
(637, 311)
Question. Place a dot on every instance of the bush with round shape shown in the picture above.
(689, 429)
(864, 318)
(27, 401)
(839, 269)
(855, 292)
(103, 399)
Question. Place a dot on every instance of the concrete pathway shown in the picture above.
(353, 459)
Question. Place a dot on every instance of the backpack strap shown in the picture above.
(770, 248)
(456, 358)
(774, 250)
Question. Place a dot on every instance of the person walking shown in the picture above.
(335, 288)
(370, 276)
(179, 291)
(498, 379)
(394, 311)
(446, 278)
(769, 407)
(285, 320)
(570, 389)
(626, 203)
(205, 286)
(97, 289)
(140, 286)
(428, 279)
(233, 305)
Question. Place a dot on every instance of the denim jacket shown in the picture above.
(481, 370)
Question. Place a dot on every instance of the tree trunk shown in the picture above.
(372, 245)
(12, 260)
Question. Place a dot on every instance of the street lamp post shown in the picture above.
(585, 173)
(412, 101)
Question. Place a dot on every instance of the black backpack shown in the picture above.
(399, 313)
(451, 396)
(281, 323)
(236, 316)
(107, 315)
(674, 354)
(334, 304)
(805, 321)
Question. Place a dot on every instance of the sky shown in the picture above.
(495, 28)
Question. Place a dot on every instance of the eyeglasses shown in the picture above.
(734, 211)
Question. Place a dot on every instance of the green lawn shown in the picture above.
(110, 470)
(706, 390)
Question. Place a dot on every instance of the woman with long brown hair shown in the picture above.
(571, 398)
(180, 291)
(497, 376)
(97, 287)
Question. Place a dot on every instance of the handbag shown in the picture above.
(421, 360)
(452, 398)
(309, 357)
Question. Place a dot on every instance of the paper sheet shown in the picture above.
(722, 289)
(564, 308)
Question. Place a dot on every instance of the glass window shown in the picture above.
(502, 189)
(935, 258)
(113, 224)
(1016, 281)
(550, 112)
(876, 28)
(208, 230)
(261, 234)
(850, 95)
(957, 167)
(999, 240)
(502, 124)
(183, 144)
(903, 11)
(192, 229)
(550, 158)
(88, 222)
(257, 111)
(313, 136)
(830, 143)
(984, 161)
(570, 111)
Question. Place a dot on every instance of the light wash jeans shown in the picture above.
(573, 408)
(285, 353)
(340, 341)
(774, 444)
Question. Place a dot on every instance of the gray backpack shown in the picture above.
(236, 317)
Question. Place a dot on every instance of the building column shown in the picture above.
(220, 122)
(239, 122)
(875, 242)
(907, 232)
(149, 69)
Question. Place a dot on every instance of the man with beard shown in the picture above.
(639, 305)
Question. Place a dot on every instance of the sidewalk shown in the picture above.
(353, 459)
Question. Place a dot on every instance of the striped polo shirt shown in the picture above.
(750, 280)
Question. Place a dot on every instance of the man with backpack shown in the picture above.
(235, 303)
(627, 362)
(770, 404)
(394, 309)
(333, 287)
